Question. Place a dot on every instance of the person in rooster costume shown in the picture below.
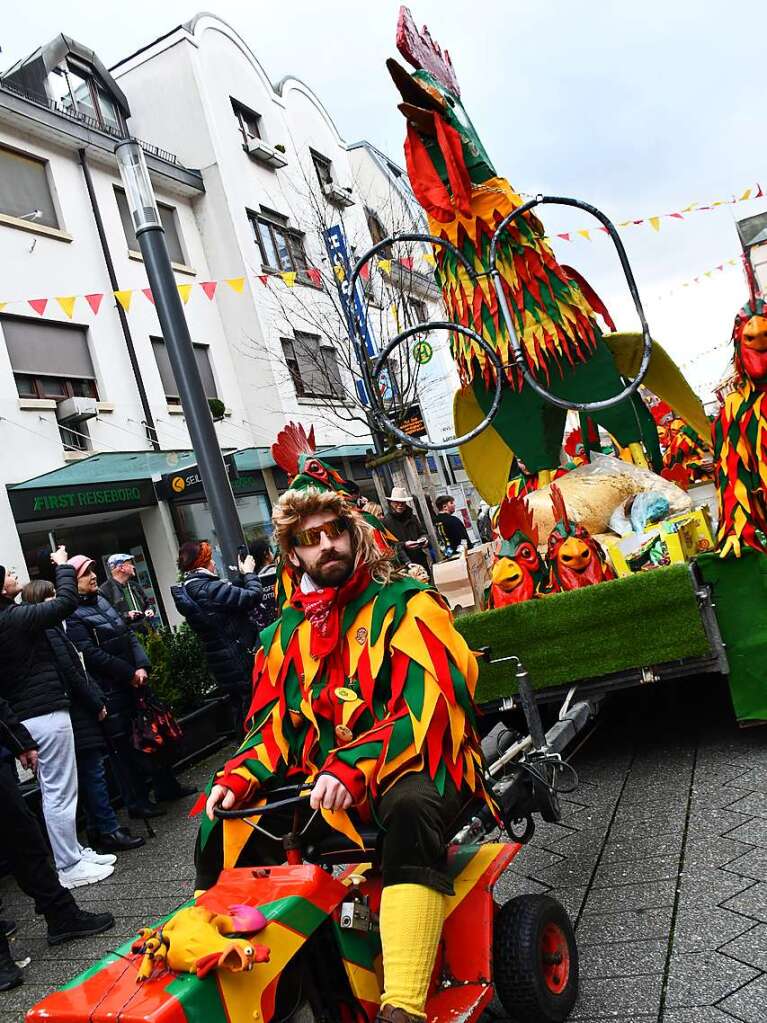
(364, 689)
(575, 557)
(740, 439)
(519, 572)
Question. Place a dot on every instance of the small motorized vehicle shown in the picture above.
(321, 910)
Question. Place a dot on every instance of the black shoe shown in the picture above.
(78, 924)
(141, 813)
(117, 841)
(180, 792)
(8, 927)
(10, 974)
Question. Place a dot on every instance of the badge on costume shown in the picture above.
(346, 695)
(362, 635)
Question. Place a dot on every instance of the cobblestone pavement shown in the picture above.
(660, 858)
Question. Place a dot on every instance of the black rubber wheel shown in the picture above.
(535, 960)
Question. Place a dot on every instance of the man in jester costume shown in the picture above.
(740, 439)
(364, 689)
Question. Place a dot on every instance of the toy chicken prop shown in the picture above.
(519, 571)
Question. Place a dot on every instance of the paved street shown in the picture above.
(661, 859)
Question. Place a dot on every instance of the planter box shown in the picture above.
(204, 730)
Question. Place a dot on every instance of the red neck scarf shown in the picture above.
(322, 609)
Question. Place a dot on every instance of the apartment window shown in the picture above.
(416, 311)
(249, 121)
(76, 89)
(49, 360)
(24, 188)
(202, 358)
(281, 246)
(323, 167)
(313, 366)
(167, 219)
(377, 232)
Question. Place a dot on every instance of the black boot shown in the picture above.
(117, 841)
(76, 923)
(10, 974)
(8, 927)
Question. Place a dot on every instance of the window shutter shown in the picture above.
(48, 349)
(166, 372)
(24, 188)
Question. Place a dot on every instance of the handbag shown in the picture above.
(154, 727)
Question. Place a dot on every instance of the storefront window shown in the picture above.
(194, 522)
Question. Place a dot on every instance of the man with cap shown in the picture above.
(402, 521)
(126, 595)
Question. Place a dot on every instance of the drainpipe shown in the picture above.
(148, 420)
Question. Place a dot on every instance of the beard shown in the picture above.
(331, 569)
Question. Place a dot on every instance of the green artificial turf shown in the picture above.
(642, 620)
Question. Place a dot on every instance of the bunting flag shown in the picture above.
(289, 279)
(67, 304)
(124, 298)
(38, 304)
(385, 265)
(94, 301)
(184, 290)
(315, 276)
(365, 271)
(339, 271)
(209, 287)
(708, 274)
(264, 278)
(2, 306)
(236, 284)
(147, 293)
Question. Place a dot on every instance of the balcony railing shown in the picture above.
(84, 119)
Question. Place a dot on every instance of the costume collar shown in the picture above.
(322, 608)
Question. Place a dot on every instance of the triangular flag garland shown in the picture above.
(313, 275)
(708, 274)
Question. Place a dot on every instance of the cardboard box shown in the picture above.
(463, 581)
(676, 539)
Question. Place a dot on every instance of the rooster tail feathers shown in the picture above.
(292, 442)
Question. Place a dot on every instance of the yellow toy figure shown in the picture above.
(195, 940)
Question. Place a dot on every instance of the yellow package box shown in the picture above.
(673, 540)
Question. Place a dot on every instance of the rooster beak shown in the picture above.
(420, 104)
(506, 574)
(755, 334)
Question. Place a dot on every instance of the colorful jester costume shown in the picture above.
(519, 572)
(575, 557)
(553, 308)
(740, 439)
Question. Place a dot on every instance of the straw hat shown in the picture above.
(399, 494)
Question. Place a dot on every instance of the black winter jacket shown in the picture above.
(217, 611)
(407, 526)
(123, 599)
(13, 735)
(29, 680)
(112, 654)
(86, 698)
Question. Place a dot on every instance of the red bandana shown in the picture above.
(322, 609)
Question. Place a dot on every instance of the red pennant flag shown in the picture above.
(637, 221)
(565, 235)
(365, 271)
(209, 287)
(314, 276)
(94, 301)
(603, 228)
(759, 192)
(676, 216)
(407, 262)
(264, 278)
(721, 266)
(147, 292)
(38, 304)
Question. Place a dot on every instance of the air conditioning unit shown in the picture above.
(265, 153)
(76, 410)
(338, 196)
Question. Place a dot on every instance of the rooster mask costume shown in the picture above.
(363, 681)
(519, 572)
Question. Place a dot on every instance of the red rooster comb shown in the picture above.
(291, 443)
(558, 507)
(422, 53)
(515, 516)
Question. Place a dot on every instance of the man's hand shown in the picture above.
(219, 796)
(28, 760)
(330, 794)
(60, 556)
(139, 677)
(133, 615)
(149, 613)
(247, 565)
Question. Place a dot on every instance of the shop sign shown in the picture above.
(411, 422)
(187, 483)
(29, 505)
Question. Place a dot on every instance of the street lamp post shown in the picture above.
(170, 312)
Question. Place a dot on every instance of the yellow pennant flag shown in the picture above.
(2, 306)
(338, 270)
(289, 278)
(732, 262)
(124, 298)
(184, 290)
(430, 259)
(395, 314)
(236, 284)
(585, 234)
(655, 223)
(385, 265)
(67, 303)
(746, 195)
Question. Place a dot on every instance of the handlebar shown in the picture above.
(241, 813)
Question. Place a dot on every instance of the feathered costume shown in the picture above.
(740, 439)
(368, 682)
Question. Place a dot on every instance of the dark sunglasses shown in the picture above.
(311, 537)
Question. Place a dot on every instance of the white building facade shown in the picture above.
(90, 418)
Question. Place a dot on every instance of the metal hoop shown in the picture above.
(421, 328)
(518, 352)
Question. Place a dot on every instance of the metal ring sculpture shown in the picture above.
(371, 378)
(518, 353)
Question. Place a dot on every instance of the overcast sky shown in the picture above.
(638, 108)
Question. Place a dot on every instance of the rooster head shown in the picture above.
(750, 338)
(575, 557)
(519, 571)
(295, 451)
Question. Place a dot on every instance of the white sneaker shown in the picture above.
(91, 856)
(83, 873)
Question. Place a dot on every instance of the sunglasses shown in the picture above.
(311, 537)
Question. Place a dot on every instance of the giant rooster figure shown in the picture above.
(575, 557)
(519, 572)
(740, 439)
(553, 307)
